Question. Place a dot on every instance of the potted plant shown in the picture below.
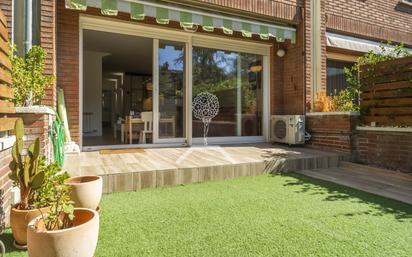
(27, 174)
(63, 230)
(86, 191)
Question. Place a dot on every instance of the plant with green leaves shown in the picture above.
(26, 171)
(349, 98)
(28, 78)
(55, 194)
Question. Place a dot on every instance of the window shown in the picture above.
(408, 2)
(19, 24)
(236, 79)
(335, 72)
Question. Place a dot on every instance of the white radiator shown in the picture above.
(88, 122)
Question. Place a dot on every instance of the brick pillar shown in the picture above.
(312, 49)
(48, 42)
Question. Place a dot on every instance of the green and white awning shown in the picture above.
(189, 19)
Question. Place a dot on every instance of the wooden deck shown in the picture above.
(386, 183)
(174, 166)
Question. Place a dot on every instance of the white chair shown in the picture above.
(147, 118)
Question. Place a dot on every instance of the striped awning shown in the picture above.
(189, 19)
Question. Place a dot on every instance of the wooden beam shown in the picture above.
(4, 47)
(389, 86)
(389, 120)
(4, 33)
(7, 107)
(5, 76)
(394, 102)
(6, 91)
(391, 111)
(3, 19)
(396, 93)
(5, 62)
(7, 123)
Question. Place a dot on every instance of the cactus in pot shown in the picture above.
(25, 171)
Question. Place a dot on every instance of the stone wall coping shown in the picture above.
(332, 113)
(384, 129)
(36, 109)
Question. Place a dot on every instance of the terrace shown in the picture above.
(132, 169)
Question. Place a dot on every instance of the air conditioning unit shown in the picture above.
(288, 129)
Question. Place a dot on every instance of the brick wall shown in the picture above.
(36, 125)
(48, 42)
(381, 19)
(68, 64)
(282, 10)
(387, 149)
(290, 81)
(293, 91)
(5, 182)
(332, 131)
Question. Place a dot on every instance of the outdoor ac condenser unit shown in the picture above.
(288, 129)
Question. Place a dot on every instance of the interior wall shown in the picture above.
(92, 92)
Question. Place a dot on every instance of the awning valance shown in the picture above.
(353, 43)
(189, 19)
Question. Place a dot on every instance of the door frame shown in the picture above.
(90, 22)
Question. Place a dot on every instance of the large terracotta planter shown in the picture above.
(77, 241)
(18, 222)
(86, 191)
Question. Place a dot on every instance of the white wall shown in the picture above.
(92, 91)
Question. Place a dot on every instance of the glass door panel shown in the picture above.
(236, 80)
(172, 81)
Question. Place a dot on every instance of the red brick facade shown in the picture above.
(378, 20)
(290, 81)
(5, 182)
(48, 42)
(291, 77)
(291, 87)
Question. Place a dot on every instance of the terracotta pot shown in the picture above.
(18, 222)
(86, 191)
(77, 241)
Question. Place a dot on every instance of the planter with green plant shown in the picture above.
(34, 179)
(27, 173)
(63, 230)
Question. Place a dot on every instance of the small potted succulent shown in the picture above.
(63, 230)
(27, 173)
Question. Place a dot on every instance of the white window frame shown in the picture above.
(191, 39)
(406, 2)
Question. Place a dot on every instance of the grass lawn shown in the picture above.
(252, 216)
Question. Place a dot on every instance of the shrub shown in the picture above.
(28, 79)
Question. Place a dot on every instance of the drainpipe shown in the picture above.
(316, 53)
(28, 26)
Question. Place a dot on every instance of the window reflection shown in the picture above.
(236, 79)
(171, 89)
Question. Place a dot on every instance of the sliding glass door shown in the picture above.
(236, 80)
(171, 92)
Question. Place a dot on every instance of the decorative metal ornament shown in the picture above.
(205, 108)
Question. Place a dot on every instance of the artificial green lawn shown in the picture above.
(253, 216)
